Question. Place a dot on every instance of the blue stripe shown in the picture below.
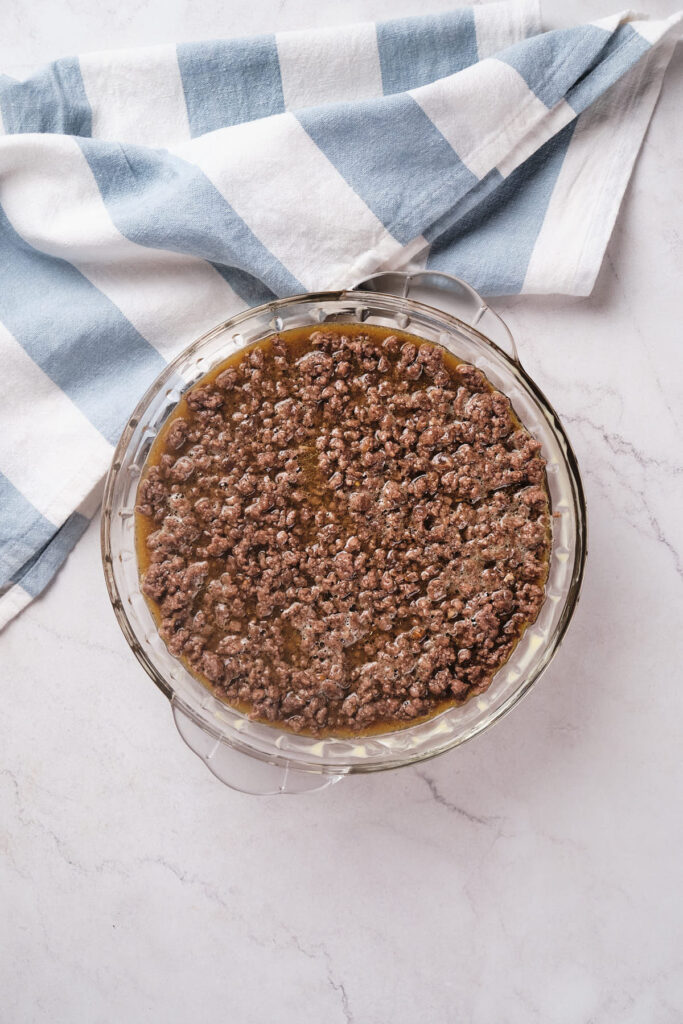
(624, 49)
(394, 157)
(418, 50)
(248, 287)
(35, 575)
(53, 100)
(158, 200)
(73, 332)
(491, 246)
(23, 530)
(553, 62)
(230, 81)
(460, 210)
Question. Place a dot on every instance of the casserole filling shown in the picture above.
(343, 530)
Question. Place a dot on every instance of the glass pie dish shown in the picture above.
(263, 759)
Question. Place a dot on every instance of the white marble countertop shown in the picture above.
(533, 875)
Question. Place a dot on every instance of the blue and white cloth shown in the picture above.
(146, 195)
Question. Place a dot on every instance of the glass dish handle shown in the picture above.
(430, 286)
(241, 771)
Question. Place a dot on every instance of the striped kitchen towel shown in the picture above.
(146, 195)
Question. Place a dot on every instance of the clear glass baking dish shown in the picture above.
(257, 758)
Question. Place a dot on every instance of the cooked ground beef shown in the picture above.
(343, 530)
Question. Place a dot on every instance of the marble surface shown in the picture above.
(533, 875)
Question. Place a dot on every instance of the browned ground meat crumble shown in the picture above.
(346, 538)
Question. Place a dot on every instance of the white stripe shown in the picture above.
(136, 96)
(90, 504)
(611, 22)
(652, 31)
(501, 25)
(334, 225)
(486, 111)
(50, 452)
(589, 188)
(418, 261)
(329, 65)
(553, 122)
(51, 197)
(12, 602)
